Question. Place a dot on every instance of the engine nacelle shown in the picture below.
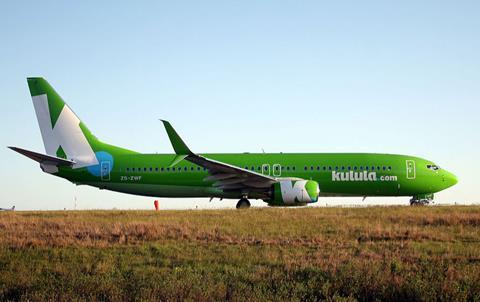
(294, 192)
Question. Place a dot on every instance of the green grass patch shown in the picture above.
(309, 254)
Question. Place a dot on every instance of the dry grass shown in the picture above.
(387, 253)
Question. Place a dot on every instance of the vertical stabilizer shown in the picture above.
(63, 133)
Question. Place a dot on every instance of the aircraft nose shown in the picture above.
(449, 179)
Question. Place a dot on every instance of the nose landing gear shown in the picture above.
(421, 200)
(243, 203)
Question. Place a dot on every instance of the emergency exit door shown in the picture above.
(410, 169)
(105, 170)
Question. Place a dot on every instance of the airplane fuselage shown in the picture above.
(338, 174)
(280, 179)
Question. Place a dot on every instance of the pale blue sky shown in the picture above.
(233, 76)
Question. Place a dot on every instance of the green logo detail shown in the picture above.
(60, 153)
(39, 86)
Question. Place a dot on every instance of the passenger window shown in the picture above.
(168, 169)
(185, 168)
(128, 169)
(173, 169)
(161, 169)
(305, 168)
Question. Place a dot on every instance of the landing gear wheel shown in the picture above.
(419, 202)
(243, 204)
(421, 199)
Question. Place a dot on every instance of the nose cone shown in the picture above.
(449, 179)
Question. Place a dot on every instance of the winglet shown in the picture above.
(177, 143)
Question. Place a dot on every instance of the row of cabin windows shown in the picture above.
(329, 168)
(259, 168)
(275, 167)
(349, 168)
(192, 169)
(162, 169)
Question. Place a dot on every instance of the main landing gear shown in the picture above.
(243, 203)
(419, 202)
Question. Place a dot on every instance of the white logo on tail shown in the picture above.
(66, 133)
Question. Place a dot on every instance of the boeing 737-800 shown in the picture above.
(279, 179)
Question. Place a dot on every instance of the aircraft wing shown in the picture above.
(227, 177)
(43, 158)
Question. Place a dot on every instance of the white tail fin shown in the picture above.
(61, 129)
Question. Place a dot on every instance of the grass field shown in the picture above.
(377, 253)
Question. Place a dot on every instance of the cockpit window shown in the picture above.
(433, 167)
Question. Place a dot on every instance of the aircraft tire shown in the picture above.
(419, 202)
(243, 204)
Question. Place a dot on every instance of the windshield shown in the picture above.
(433, 167)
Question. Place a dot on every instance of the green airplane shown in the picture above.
(279, 179)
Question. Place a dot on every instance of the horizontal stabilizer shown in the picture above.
(43, 158)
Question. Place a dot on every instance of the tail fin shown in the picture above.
(64, 135)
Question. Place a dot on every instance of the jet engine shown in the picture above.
(294, 192)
